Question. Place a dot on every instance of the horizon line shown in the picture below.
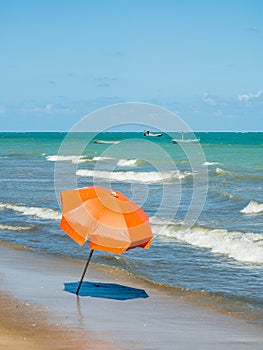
(127, 131)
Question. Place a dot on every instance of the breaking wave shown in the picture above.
(131, 176)
(129, 162)
(42, 213)
(209, 163)
(16, 228)
(240, 246)
(83, 159)
(253, 208)
(120, 162)
(73, 159)
(100, 159)
(220, 171)
(238, 175)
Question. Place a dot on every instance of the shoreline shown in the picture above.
(216, 302)
(114, 312)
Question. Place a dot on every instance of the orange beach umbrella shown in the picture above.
(108, 219)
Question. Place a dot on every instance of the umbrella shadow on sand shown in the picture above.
(105, 290)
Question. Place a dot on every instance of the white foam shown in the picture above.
(220, 171)
(253, 208)
(107, 142)
(42, 213)
(243, 247)
(79, 160)
(131, 176)
(15, 228)
(73, 159)
(128, 162)
(209, 163)
(100, 159)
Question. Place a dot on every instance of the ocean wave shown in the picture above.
(240, 246)
(83, 159)
(131, 176)
(253, 208)
(238, 175)
(220, 171)
(129, 162)
(42, 213)
(210, 163)
(78, 159)
(100, 159)
(232, 196)
(73, 159)
(107, 141)
(120, 162)
(4, 227)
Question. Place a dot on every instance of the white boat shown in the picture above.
(184, 140)
(154, 134)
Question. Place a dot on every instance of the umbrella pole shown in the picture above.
(85, 269)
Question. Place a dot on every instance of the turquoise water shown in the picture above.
(220, 252)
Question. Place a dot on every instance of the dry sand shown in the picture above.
(113, 312)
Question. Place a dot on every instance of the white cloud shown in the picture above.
(250, 96)
(2, 110)
(48, 109)
(209, 100)
(31, 109)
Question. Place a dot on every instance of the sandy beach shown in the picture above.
(39, 308)
(25, 326)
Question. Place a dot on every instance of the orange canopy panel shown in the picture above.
(108, 219)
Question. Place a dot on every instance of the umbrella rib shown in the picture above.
(98, 220)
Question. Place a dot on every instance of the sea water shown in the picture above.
(219, 253)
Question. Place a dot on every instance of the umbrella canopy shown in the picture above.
(108, 219)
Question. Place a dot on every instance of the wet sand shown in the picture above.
(113, 311)
(24, 326)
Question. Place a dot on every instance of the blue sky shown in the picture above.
(61, 60)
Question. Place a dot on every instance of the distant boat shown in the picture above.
(105, 141)
(154, 134)
(184, 140)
